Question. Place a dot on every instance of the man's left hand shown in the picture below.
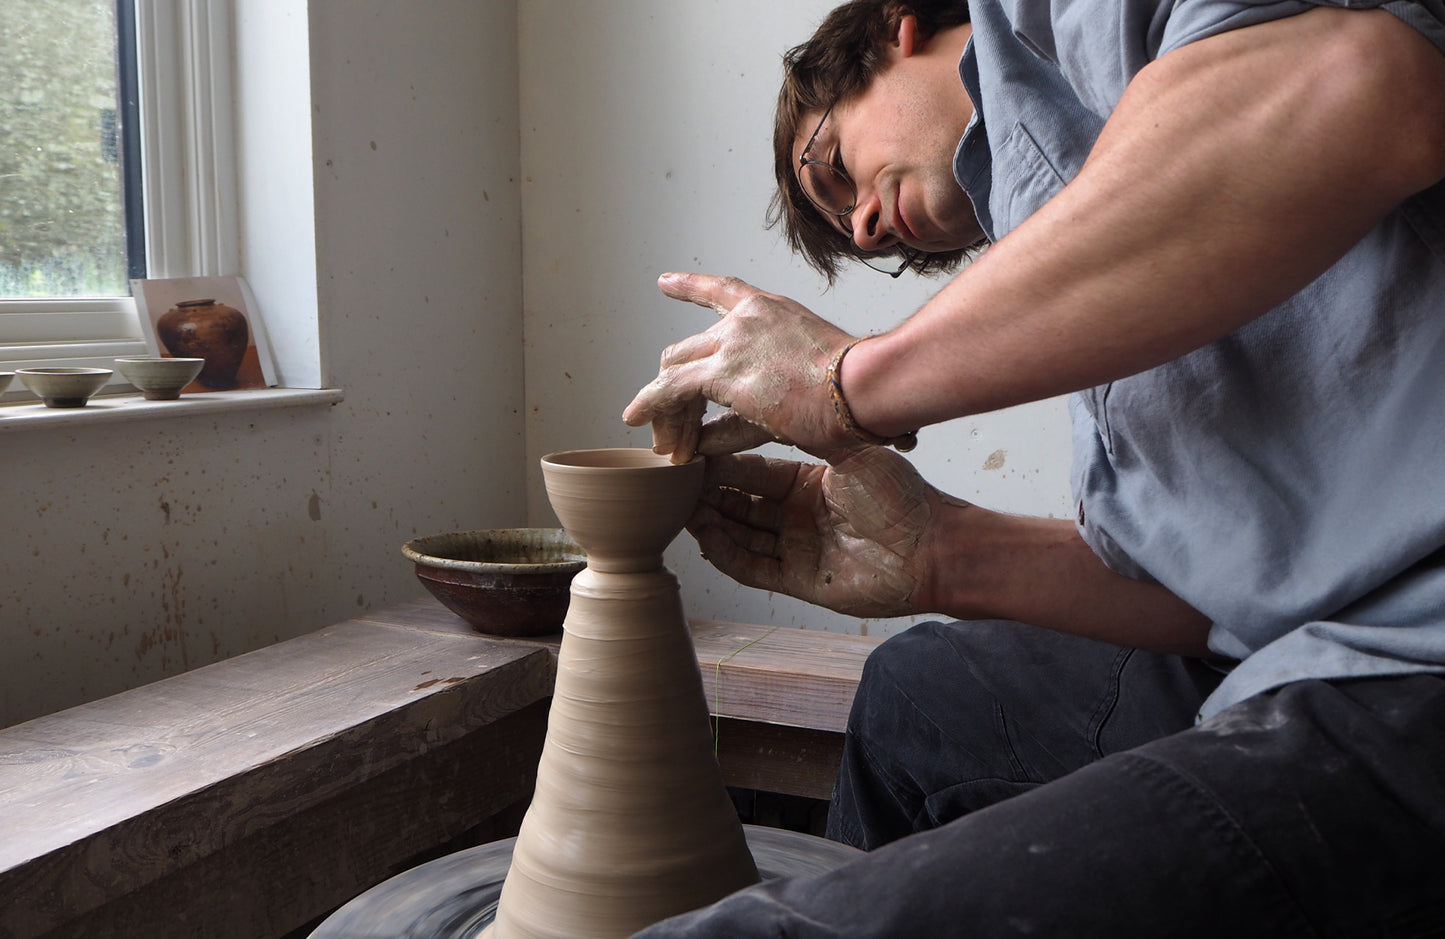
(849, 536)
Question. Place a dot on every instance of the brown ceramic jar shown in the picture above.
(207, 329)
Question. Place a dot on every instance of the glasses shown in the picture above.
(829, 187)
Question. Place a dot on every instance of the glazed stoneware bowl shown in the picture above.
(63, 387)
(158, 378)
(503, 581)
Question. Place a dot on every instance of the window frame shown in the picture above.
(184, 65)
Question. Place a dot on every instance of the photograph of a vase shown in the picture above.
(210, 318)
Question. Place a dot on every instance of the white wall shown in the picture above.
(133, 552)
(136, 551)
(646, 130)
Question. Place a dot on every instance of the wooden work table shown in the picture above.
(247, 797)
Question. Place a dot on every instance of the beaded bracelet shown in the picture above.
(902, 443)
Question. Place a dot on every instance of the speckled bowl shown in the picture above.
(63, 387)
(503, 581)
(159, 378)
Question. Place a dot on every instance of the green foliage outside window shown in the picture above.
(62, 224)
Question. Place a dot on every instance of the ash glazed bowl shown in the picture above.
(159, 378)
(63, 387)
(503, 581)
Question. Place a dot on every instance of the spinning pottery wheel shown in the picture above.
(630, 822)
(455, 897)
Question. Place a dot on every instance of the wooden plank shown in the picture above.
(425, 613)
(101, 800)
(795, 761)
(797, 677)
(428, 615)
(268, 788)
(277, 880)
(778, 675)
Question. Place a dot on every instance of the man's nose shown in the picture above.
(867, 222)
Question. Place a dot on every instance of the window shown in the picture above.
(115, 163)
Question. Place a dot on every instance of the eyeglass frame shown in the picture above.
(909, 255)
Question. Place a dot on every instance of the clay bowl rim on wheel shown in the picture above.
(500, 597)
(615, 458)
(624, 505)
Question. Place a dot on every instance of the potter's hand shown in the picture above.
(846, 536)
(766, 360)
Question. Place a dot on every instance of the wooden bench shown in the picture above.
(248, 797)
(781, 699)
(780, 696)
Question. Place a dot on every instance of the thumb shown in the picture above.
(731, 433)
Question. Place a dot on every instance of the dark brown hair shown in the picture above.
(838, 62)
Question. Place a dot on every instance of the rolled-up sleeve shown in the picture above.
(1100, 45)
(1192, 20)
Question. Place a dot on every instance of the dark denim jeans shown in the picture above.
(1058, 787)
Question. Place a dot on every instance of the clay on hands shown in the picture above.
(766, 360)
(851, 536)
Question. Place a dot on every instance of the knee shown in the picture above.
(942, 672)
(905, 654)
(900, 674)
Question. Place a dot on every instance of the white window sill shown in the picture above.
(116, 408)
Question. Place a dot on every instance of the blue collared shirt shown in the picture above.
(1288, 480)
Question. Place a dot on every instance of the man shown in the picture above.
(1222, 226)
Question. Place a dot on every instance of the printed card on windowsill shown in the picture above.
(211, 318)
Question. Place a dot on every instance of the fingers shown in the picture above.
(756, 475)
(676, 431)
(691, 349)
(672, 402)
(709, 290)
(730, 433)
(672, 405)
(746, 511)
(748, 538)
(685, 447)
(729, 547)
(671, 389)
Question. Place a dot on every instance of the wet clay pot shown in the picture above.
(207, 329)
(631, 822)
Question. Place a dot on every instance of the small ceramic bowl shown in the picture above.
(158, 378)
(5, 379)
(503, 581)
(64, 387)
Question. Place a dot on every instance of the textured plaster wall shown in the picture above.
(383, 228)
(382, 225)
(646, 130)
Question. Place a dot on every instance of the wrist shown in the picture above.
(843, 408)
(953, 558)
(985, 564)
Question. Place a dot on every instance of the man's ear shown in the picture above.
(907, 34)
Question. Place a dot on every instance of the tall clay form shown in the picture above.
(630, 822)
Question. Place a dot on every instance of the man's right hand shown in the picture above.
(766, 360)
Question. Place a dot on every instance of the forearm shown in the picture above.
(1233, 172)
(987, 565)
